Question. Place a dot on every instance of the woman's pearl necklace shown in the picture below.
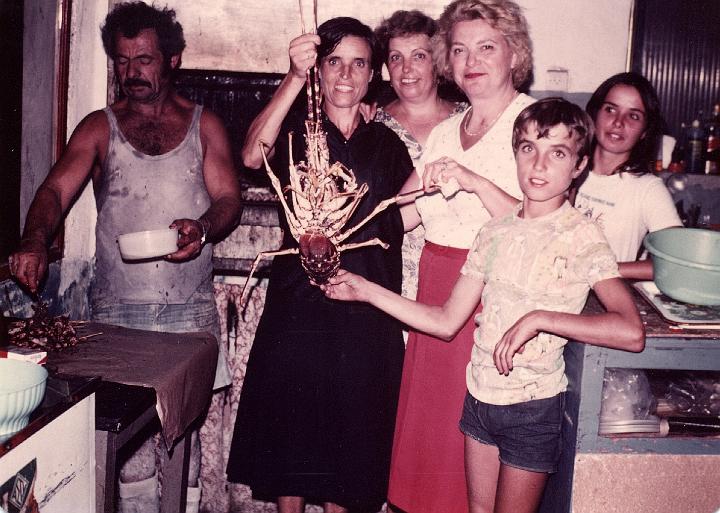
(485, 126)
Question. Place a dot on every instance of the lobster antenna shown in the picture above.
(316, 77)
(302, 17)
(308, 91)
(313, 29)
(312, 80)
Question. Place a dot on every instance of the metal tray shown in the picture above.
(675, 311)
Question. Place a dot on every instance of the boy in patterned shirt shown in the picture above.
(533, 270)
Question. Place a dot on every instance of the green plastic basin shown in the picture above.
(686, 263)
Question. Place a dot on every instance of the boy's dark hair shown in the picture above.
(645, 150)
(129, 18)
(332, 31)
(550, 112)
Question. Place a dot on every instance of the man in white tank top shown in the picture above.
(155, 159)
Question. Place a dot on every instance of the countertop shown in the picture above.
(655, 325)
(62, 393)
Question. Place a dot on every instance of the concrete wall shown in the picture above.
(86, 92)
(587, 38)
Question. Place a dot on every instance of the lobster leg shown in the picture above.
(348, 211)
(371, 242)
(254, 265)
(292, 220)
(379, 208)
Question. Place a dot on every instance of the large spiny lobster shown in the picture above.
(324, 196)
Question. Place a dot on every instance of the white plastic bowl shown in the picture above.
(22, 387)
(148, 244)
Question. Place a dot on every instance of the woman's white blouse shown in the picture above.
(454, 221)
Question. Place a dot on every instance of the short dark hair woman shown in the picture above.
(318, 403)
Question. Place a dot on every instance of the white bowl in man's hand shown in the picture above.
(148, 244)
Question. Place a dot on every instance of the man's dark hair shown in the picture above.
(129, 18)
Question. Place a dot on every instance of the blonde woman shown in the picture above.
(484, 47)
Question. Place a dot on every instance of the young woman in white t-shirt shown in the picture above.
(618, 191)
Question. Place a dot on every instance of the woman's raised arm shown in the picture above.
(266, 126)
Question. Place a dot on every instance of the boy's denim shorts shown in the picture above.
(527, 435)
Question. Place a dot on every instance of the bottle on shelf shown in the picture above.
(695, 162)
(658, 164)
(677, 162)
(712, 142)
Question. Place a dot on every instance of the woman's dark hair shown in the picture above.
(129, 18)
(400, 24)
(645, 151)
(334, 30)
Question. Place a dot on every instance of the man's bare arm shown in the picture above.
(222, 185)
(54, 198)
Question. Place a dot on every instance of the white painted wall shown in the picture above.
(586, 37)
(87, 92)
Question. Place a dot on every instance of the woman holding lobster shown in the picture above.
(315, 419)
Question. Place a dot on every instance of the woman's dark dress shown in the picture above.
(318, 403)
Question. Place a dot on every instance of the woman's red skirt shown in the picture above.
(427, 472)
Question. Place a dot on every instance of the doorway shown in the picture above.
(11, 59)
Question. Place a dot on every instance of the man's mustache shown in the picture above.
(133, 82)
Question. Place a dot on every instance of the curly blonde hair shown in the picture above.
(504, 16)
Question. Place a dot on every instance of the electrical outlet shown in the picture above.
(557, 79)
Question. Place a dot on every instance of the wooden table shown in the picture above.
(121, 413)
